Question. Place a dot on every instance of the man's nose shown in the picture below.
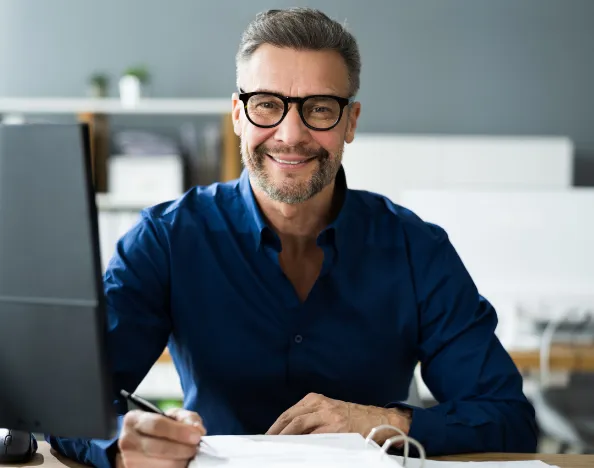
(292, 130)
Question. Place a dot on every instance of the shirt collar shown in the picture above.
(262, 233)
(332, 233)
(254, 214)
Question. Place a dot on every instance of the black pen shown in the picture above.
(150, 408)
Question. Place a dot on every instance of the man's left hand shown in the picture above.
(317, 414)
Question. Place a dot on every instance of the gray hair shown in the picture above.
(301, 29)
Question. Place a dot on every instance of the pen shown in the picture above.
(149, 407)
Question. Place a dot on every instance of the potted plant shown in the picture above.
(131, 83)
(98, 83)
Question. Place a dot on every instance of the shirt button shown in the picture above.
(298, 338)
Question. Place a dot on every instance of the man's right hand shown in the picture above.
(149, 440)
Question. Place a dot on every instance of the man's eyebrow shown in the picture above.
(273, 91)
(266, 90)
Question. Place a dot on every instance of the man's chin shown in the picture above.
(290, 193)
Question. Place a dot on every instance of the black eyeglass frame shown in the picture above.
(342, 102)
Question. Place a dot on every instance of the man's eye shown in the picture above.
(267, 105)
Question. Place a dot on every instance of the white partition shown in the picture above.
(524, 249)
(389, 163)
(530, 241)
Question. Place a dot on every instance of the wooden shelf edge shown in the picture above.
(561, 359)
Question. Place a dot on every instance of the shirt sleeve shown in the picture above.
(481, 407)
(136, 285)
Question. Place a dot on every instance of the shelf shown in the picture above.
(107, 202)
(148, 106)
(165, 357)
(96, 113)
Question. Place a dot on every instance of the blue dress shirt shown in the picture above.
(201, 275)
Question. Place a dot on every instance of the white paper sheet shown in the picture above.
(318, 451)
(242, 452)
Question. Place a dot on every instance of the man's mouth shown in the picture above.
(291, 161)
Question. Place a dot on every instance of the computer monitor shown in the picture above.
(53, 369)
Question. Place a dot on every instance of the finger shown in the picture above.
(156, 425)
(304, 424)
(154, 447)
(166, 449)
(138, 460)
(311, 398)
(287, 418)
(187, 417)
(325, 429)
(308, 404)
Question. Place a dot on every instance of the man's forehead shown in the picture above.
(295, 72)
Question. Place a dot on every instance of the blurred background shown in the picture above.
(476, 114)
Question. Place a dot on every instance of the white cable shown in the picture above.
(406, 440)
(400, 438)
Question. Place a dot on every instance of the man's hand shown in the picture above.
(151, 440)
(317, 414)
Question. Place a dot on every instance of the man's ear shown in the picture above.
(353, 113)
(236, 114)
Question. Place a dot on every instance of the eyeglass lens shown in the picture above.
(318, 112)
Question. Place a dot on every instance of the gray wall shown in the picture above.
(429, 66)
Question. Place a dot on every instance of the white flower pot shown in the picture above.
(130, 90)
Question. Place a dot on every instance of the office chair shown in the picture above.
(565, 414)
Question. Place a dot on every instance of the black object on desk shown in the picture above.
(52, 313)
(16, 446)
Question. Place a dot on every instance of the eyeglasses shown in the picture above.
(319, 112)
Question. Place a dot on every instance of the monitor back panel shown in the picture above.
(52, 321)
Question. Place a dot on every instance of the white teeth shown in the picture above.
(287, 162)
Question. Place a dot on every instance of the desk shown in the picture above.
(48, 458)
(563, 358)
(562, 461)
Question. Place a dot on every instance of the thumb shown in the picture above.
(187, 417)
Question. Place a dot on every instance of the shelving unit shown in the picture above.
(96, 112)
(107, 203)
(205, 106)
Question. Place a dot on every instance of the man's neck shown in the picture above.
(298, 225)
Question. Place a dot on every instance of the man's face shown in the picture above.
(291, 163)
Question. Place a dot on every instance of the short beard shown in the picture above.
(288, 191)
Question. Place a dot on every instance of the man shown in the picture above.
(291, 304)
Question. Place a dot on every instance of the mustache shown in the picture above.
(262, 150)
